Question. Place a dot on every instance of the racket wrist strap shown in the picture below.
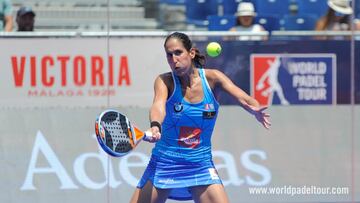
(155, 123)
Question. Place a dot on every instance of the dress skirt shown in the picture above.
(179, 176)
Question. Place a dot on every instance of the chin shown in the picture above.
(179, 73)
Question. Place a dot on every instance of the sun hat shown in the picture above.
(245, 9)
(341, 6)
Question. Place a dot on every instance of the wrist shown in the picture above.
(155, 123)
(249, 108)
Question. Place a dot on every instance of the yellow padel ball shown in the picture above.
(213, 49)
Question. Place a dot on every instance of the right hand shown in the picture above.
(156, 135)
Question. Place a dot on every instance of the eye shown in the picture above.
(178, 52)
(174, 53)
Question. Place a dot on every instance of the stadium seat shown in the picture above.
(272, 7)
(221, 23)
(230, 6)
(269, 22)
(312, 7)
(198, 10)
(357, 9)
(299, 22)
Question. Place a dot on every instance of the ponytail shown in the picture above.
(199, 59)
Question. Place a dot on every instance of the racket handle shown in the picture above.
(147, 136)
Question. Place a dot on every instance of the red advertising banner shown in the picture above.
(79, 72)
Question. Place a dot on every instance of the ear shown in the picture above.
(192, 52)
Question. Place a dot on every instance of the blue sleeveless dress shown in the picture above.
(182, 157)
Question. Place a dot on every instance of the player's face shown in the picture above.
(179, 59)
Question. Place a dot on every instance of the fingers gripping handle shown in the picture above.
(148, 136)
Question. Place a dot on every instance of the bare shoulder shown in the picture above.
(166, 79)
(213, 76)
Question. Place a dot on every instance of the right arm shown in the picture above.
(157, 110)
(320, 26)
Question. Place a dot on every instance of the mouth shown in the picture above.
(178, 70)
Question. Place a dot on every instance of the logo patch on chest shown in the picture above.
(209, 114)
(189, 137)
(209, 111)
(178, 107)
(209, 106)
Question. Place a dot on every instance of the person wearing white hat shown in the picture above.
(337, 17)
(245, 21)
(341, 6)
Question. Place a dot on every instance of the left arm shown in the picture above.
(8, 18)
(8, 23)
(247, 102)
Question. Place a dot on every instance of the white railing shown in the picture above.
(129, 34)
(161, 33)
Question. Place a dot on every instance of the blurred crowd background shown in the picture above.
(168, 15)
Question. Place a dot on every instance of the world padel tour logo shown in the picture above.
(284, 79)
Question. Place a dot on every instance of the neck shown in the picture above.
(189, 79)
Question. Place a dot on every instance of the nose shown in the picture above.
(172, 58)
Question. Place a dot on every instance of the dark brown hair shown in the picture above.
(199, 59)
(330, 17)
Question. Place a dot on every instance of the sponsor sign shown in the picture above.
(285, 79)
(79, 72)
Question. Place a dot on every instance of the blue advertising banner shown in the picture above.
(235, 62)
(293, 78)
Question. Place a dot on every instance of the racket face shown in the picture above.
(114, 133)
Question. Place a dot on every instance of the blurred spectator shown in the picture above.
(6, 18)
(245, 21)
(337, 17)
(25, 19)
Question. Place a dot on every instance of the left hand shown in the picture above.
(260, 115)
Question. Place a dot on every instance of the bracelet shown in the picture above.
(157, 124)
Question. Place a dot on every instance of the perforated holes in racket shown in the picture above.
(123, 137)
(108, 121)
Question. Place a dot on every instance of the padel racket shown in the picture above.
(116, 135)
